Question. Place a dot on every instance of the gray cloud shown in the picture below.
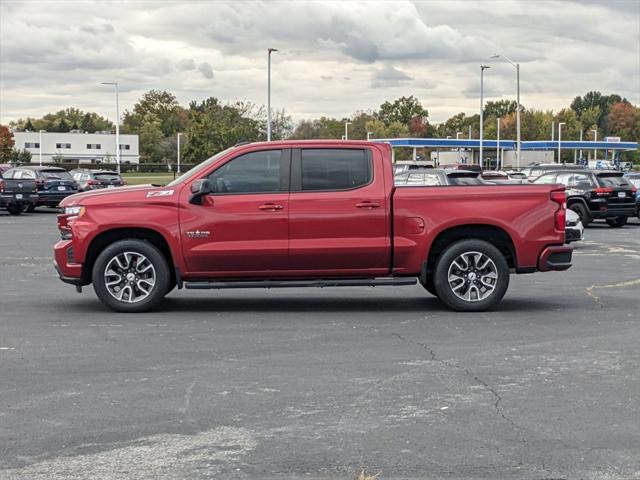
(52, 58)
(205, 69)
(389, 76)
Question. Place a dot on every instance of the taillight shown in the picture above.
(634, 189)
(93, 182)
(560, 197)
(1, 185)
(603, 191)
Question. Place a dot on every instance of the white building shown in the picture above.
(77, 147)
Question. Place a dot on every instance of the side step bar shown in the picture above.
(346, 282)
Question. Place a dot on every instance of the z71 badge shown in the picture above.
(198, 234)
(160, 193)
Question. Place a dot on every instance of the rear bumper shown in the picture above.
(555, 258)
(48, 198)
(10, 199)
(68, 271)
(624, 211)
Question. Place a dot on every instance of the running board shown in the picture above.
(346, 282)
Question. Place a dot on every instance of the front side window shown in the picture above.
(335, 169)
(255, 172)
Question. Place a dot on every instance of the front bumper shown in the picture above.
(555, 258)
(64, 263)
(573, 234)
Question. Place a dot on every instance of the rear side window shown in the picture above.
(335, 169)
(550, 178)
(418, 178)
(612, 181)
(255, 172)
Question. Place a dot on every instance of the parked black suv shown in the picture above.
(534, 170)
(96, 179)
(438, 177)
(594, 194)
(53, 183)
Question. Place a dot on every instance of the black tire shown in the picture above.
(617, 222)
(14, 209)
(472, 247)
(582, 212)
(140, 248)
(31, 208)
(429, 286)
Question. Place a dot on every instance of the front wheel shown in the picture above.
(582, 212)
(15, 209)
(131, 276)
(471, 276)
(617, 222)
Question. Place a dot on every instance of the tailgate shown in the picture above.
(19, 186)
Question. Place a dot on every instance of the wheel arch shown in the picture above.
(102, 240)
(492, 234)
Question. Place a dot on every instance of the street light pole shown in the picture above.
(459, 152)
(115, 84)
(482, 69)
(517, 67)
(269, 52)
(40, 144)
(560, 141)
(346, 130)
(369, 136)
(595, 139)
(179, 135)
(498, 146)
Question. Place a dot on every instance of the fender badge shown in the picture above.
(160, 193)
(198, 234)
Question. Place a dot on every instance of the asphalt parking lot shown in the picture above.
(290, 384)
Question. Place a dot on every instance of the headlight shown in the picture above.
(76, 211)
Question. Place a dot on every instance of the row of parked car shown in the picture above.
(610, 195)
(25, 188)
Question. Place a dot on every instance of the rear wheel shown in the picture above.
(617, 222)
(471, 276)
(14, 209)
(131, 276)
(582, 212)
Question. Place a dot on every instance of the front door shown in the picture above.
(338, 213)
(241, 229)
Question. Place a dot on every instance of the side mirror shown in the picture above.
(199, 188)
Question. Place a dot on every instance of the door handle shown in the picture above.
(270, 206)
(368, 205)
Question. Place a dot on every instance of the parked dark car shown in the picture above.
(4, 167)
(53, 184)
(634, 178)
(534, 170)
(596, 194)
(96, 179)
(502, 178)
(438, 177)
(16, 193)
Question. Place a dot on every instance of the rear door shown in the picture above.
(242, 227)
(338, 212)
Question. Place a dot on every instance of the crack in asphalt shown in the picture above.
(469, 373)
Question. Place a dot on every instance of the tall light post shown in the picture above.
(482, 69)
(40, 144)
(369, 136)
(498, 146)
(346, 130)
(560, 140)
(269, 52)
(115, 84)
(595, 139)
(179, 135)
(517, 67)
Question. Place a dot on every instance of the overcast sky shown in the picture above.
(335, 57)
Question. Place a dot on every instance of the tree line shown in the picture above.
(210, 126)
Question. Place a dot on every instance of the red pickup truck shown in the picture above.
(308, 213)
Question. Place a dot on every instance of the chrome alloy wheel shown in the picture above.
(129, 277)
(472, 276)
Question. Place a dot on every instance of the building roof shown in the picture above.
(474, 143)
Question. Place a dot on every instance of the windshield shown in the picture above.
(612, 181)
(198, 168)
(56, 174)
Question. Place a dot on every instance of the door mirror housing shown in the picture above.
(199, 188)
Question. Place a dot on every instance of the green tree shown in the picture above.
(150, 137)
(28, 127)
(401, 110)
(500, 108)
